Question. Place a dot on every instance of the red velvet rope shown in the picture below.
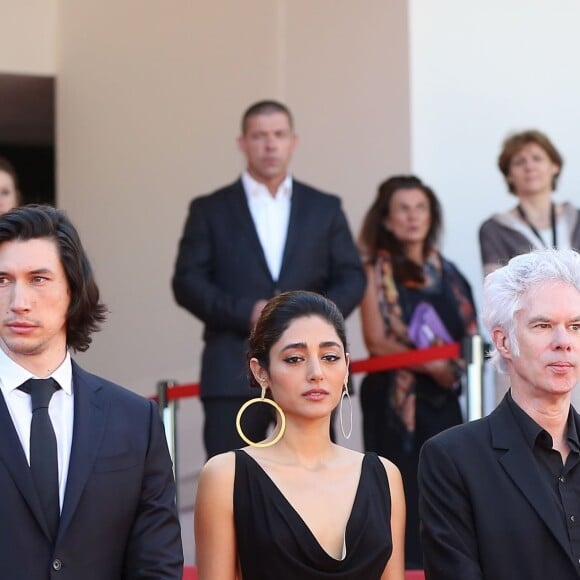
(369, 365)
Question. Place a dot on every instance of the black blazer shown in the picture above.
(119, 519)
(486, 511)
(221, 272)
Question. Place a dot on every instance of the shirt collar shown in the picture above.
(533, 433)
(573, 440)
(254, 188)
(12, 375)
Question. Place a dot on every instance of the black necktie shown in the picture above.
(43, 453)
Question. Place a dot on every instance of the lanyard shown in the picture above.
(532, 227)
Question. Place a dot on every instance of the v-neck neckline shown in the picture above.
(299, 517)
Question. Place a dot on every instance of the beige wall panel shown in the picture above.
(28, 38)
(149, 105)
(348, 83)
(125, 127)
(234, 62)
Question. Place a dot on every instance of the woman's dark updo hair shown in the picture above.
(280, 312)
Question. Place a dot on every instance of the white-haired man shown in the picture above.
(500, 497)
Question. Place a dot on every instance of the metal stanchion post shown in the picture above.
(167, 410)
(473, 356)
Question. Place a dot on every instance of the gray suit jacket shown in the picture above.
(221, 272)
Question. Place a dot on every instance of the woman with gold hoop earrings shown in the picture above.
(296, 505)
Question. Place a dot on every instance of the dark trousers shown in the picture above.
(384, 437)
(219, 428)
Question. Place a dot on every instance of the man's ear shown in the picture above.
(296, 140)
(241, 144)
(501, 342)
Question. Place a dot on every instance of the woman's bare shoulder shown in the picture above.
(393, 474)
(219, 469)
(390, 467)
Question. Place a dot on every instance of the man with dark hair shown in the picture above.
(86, 482)
(263, 234)
(266, 108)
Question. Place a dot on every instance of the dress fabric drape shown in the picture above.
(275, 542)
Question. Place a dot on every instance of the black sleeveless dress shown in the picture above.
(275, 543)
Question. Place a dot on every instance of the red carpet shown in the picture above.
(190, 573)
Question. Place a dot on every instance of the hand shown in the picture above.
(444, 372)
(408, 412)
(256, 311)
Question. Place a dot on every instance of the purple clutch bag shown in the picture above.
(426, 327)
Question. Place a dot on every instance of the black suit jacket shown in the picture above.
(118, 519)
(221, 272)
(486, 510)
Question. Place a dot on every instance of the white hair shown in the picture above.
(505, 288)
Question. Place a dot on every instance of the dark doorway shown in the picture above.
(27, 134)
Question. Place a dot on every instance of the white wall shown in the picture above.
(480, 70)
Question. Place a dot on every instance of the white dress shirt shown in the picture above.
(271, 215)
(60, 410)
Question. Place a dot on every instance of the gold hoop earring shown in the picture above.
(345, 394)
(261, 399)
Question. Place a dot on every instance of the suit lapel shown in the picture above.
(13, 457)
(297, 209)
(90, 415)
(520, 464)
(247, 229)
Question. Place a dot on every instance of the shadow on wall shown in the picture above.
(27, 134)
